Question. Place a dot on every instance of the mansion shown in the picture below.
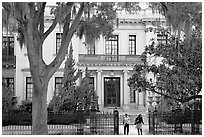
(110, 62)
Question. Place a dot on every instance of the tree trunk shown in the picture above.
(39, 109)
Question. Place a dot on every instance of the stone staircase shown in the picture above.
(136, 111)
(133, 113)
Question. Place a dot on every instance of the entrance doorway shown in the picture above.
(112, 92)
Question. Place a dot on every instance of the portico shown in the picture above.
(111, 86)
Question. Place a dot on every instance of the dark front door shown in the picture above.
(112, 92)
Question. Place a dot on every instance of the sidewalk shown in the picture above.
(133, 130)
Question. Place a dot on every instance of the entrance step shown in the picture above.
(139, 110)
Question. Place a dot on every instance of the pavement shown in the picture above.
(133, 130)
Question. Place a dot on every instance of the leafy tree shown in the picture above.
(181, 16)
(7, 97)
(26, 106)
(85, 95)
(65, 98)
(30, 25)
(180, 72)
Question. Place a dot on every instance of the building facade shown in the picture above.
(110, 62)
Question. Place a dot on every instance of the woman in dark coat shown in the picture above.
(138, 123)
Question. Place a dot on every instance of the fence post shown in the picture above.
(116, 122)
(195, 121)
(80, 115)
(178, 120)
(149, 121)
(93, 119)
(153, 122)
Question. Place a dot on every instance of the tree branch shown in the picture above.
(41, 14)
(67, 22)
(54, 65)
(153, 90)
(51, 28)
(59, 16)
(6, 6)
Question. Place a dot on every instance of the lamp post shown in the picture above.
(150, 101)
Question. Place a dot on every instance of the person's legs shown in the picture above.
(138, 130)
(127, 129)
(141, 131)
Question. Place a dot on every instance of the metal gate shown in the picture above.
(175, 122)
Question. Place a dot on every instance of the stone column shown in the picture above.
(80, 79)
(126, 91)
(144, 98)
(83, 73)
(99, 89)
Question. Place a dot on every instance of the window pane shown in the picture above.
(112, 48)
(162, 39)
(8, 45)
(58, 84)
(132, 44)
(29, 88)
(58, 41)
(132, 95)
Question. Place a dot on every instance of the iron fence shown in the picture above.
(175, 122)
(80, 124)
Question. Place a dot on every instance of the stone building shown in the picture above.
(110, 62)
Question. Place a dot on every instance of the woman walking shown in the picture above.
(138, 123)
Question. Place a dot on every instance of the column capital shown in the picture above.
(125, 71)
(99, 71)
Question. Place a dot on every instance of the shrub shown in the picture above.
(8, 99)
(26, 106)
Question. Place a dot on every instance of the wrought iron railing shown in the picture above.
(175, 122)
(77, 124)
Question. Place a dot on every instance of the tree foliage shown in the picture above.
(179, 76)
(86, 96)
(100, 19)
(181, 16)
(7, 97)
(64, 100)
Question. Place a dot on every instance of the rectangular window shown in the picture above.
(9, 82)
(91, 50)
(91, 81)
(132, 95)
(58, 41)
(111, 49)
(162, 39)
(29, 88)
(8, 45)
(58, 84)
(132, 44)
